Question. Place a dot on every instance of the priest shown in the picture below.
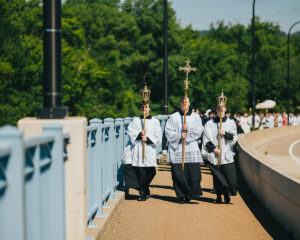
(219, 137)
(145, 135)
(186, 178)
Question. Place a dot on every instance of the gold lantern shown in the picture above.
(222, 100)
(145, 92)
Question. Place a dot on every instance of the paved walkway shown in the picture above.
(162, 218)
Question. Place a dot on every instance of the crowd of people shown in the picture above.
(261, 120)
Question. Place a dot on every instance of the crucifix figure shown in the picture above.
(187, 68)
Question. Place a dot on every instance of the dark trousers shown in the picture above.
(224, 178)
(145, 176)
(186, 182)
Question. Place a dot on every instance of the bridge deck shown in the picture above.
(161, 218)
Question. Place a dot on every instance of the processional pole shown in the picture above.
(187, 70)
(145, 92)
(221, 104)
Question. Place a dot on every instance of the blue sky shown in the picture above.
(200, 13)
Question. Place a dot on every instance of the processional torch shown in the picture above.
(187, 70)
(221, 105)
(145, 92)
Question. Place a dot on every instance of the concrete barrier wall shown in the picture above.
(273, 183)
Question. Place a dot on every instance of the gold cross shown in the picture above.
(187, 68)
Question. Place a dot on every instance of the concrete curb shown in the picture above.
(103, 222)
(275, 182)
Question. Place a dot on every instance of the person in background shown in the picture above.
(284, 119)
(262, 124)
(279, 118)
(227, 114)
(245, 123)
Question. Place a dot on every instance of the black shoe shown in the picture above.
(142, 198)
(218, 199)
(181, 200)
(148, 194)
(127, 196)
(188, 198)
(226, 198)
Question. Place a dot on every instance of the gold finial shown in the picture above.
(145, 92)
(222, 99)
(187, 68)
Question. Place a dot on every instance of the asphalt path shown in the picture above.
(162, 218)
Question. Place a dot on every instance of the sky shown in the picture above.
(201, 13)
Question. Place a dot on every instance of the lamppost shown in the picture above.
(253, 64)
(288, 71)
(166, 55)
(52, 78)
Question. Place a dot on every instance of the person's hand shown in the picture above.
(217, 151)
(143, 132)
(221, 132)
(144, 138)
(183, 135)
(184, 127)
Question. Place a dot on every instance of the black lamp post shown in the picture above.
(288, 71)
(52, 79)
(166, 55)
(253, 63)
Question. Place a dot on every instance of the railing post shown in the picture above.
(164, 138)
(53, 197)
(110, 161)
(97, 169)
(12, 196)
(127, 121)
(119, 150)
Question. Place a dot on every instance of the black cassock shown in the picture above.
(225, 178)
(130, 177)
(186, 182)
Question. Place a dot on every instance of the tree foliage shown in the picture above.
(109, 48)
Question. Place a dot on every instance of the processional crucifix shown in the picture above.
(187, 68)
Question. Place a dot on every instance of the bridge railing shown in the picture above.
(105, 144)
(32, 184)
(32, 176)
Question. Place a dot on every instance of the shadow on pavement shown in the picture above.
(205, 172)
(207, 190)
(169, 199)
(206, 199)
(164, 170)
(162, 186)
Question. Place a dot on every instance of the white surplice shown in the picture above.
(173, 131)
(211, 134)
(153, 133)
(127, 153)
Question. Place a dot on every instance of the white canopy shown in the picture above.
(266, 104)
